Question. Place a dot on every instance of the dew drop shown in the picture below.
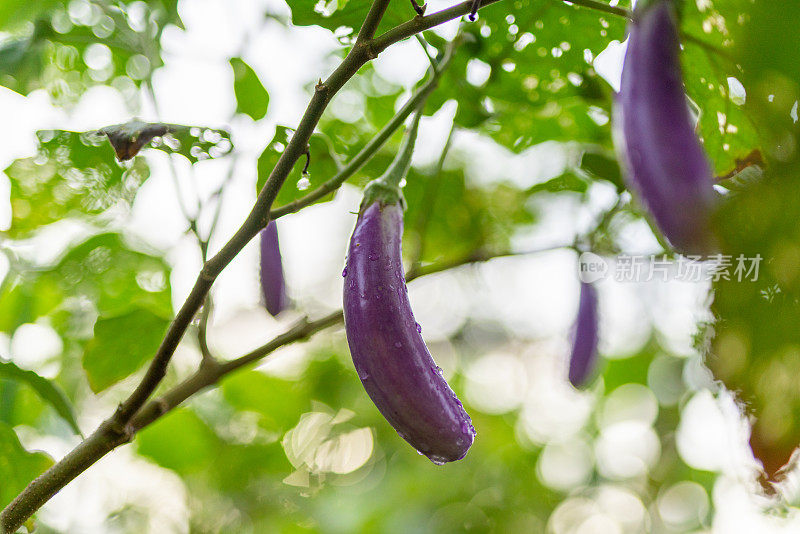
(467, 428)
(398, 344)
(373, 257)
(419, 327)
(437, 460)
(363, 376)
(344, 272)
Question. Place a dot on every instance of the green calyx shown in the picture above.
(380, 190)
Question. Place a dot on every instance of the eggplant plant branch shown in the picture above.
(117, 430)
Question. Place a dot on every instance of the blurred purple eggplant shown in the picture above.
(665, 163)
(583, 359)
(273, 284)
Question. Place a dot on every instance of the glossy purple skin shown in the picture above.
(666, 165)
(389, 354)
(273, 284)
(583, 359)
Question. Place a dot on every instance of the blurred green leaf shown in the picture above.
(252, 98)
(26, 297)
(460, 219)
(602, 166)
(17, 466)
(278, 401)
(121, 345)
(566, 182)
(20, 405)
(710, 74)
(71, 176)
(755, 350)
(336, 15)
(324, 165)
(14, 13)
(101, 276)
(66, 51)
(525, 74)
(114, 277)
(181, 442)
(46, 389)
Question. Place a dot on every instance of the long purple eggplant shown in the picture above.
(273, 284)
(389, 354)
(665, 163)
(583, 359)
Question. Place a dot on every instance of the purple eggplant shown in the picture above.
(389, 354)
(583, 359)
(273, 285)
(664, 161)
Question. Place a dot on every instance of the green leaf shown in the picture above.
(17, 466)
(279, 402)
(24, 297)
(566, 182)
(15, 13)
(602, 166)
(46, 389)
(324, 165)
(539, 81)
(755, 347)
(336, 15)
(115, 278)
(181, 442)
(71, 176)
(725, 126)
(121, 345)
(461, 219)
(252, 98)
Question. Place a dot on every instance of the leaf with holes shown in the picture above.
(195, 143)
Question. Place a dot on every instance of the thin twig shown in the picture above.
(424, 44)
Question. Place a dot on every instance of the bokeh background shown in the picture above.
(97, 256)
